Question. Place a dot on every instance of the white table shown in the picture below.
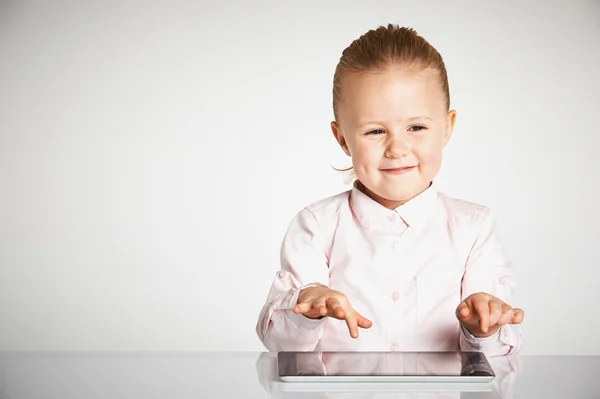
(45, 375)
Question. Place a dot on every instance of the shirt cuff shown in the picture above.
(476, 340)
(503, 342)
(299, 320)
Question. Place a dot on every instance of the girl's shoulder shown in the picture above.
(331, 206)
(463, 211)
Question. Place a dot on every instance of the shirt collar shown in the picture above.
(415, 213)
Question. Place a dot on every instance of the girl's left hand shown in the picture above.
(483, 314)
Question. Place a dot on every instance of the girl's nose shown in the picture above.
(397, 147)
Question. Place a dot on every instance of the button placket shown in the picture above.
(396, 317)
(394, 242)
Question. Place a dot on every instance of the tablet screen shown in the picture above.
(370, 364)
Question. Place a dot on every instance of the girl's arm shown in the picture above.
(303, 264)
(489, 270)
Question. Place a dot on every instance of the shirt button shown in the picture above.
(391, 218)
(282, 274)
(393, 347)
(502, 280)
(395, 296)
(394, 244)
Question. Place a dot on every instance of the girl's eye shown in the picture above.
(376, 131)
(416, 128)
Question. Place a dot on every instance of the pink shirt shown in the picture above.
(405, 269)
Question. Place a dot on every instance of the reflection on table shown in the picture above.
(506, 368)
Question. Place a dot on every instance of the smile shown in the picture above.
(399, 171)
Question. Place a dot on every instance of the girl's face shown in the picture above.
(394, 124)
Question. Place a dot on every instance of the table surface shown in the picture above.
(65, 375)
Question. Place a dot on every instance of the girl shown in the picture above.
(392, 264)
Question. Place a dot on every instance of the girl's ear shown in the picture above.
(450, 120)
(337, 133)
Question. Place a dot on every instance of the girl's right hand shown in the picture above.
(321, 301)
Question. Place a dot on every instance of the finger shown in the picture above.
(482, 310)
(335, 309)
(320, 307)
(463, 311)
(363, 322)
(518, 317)
(302, 307)
(507, 315)
(352, 324)
(495, 312)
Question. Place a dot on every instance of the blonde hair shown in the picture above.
(383, 47)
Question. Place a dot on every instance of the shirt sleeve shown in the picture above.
(489, 270)
(303, 264)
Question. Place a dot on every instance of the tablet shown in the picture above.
(427, 367)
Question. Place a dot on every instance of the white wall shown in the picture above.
(153, 154)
